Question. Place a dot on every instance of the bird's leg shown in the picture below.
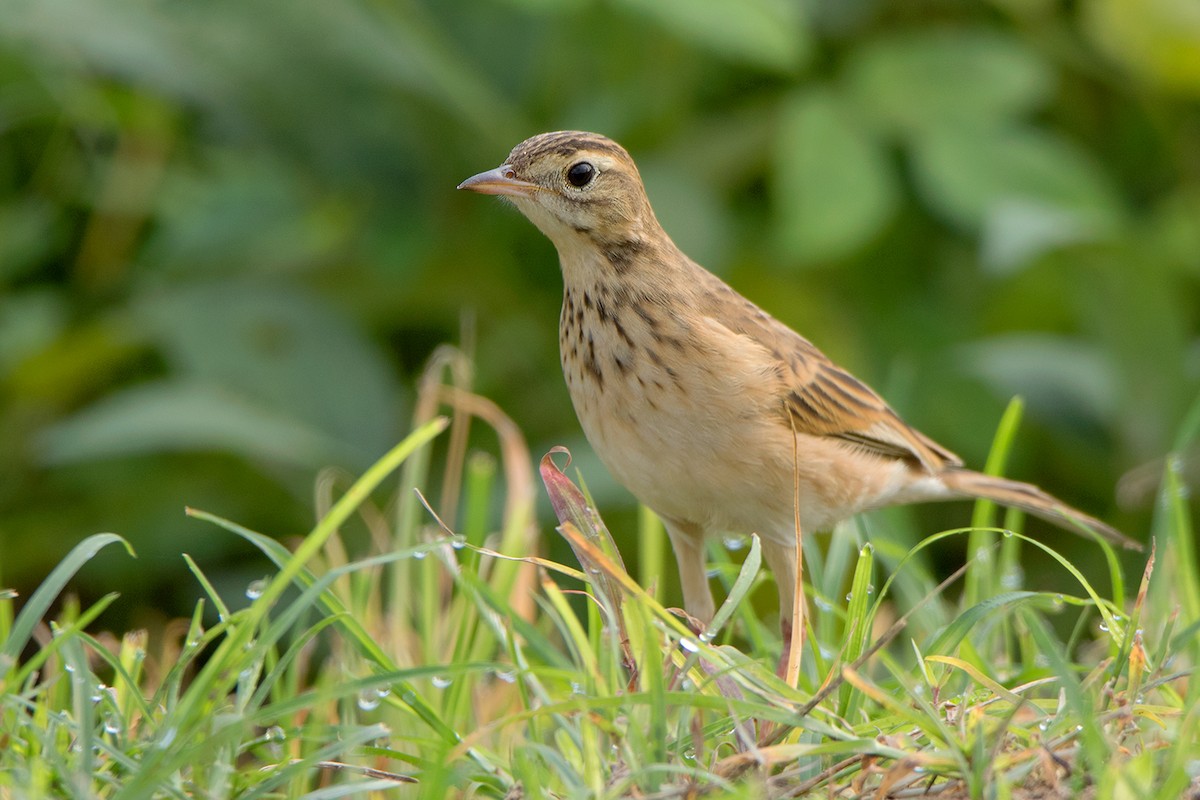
(687, 540)
(783, 561)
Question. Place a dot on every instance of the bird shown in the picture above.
(713, 413)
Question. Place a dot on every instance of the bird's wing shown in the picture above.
(825, 400)
(821, 398)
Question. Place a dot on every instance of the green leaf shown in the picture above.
(284, 350)
(970, 177)
(1055, 374)
(913, 82)
(833, 186)
(183, 416)
(763, 33)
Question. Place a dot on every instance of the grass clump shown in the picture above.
(447, 658)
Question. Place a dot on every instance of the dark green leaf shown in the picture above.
(913, 82)
(833, 187)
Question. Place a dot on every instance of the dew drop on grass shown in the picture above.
(507, 675)
(1007, 533)
(849, 596)
(440, 681)
(577, 688)
(691, 645)
(734, 542)
(98, 694)
(112, 724)
(368, 700)
(1044, 725)
(707, 636)
(1104, 627)
(383, 691)
(823, 604)
(275, 734)
(458, 544)
(256, 588)
(870, 588)
(1012, 578)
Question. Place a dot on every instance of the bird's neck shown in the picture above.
(635, 258)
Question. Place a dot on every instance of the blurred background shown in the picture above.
(229, 236)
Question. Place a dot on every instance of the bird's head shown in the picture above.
(574, 186)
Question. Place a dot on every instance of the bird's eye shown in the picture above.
(580, 175)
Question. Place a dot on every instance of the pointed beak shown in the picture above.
(501, 180)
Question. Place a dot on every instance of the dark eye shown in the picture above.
(580, 175)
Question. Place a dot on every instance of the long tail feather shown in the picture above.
(1033, 500)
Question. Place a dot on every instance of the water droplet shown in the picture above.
(368, 700)
(167, 738)
(822, 604)
(713, 572)
(1078, 728)
(1140, 699)
(458, 544)
(577, 688)
(383, 691)
(918, 769)
(691, 645)
(1012, 578)
(1104, 627)
(1058, 600)
(275, 734)
(1044, 725)
(707, 636)
(689, 755)
(1007, 533)
(418, 555)
(507, 675)
(256, 588)
(440, 682)
(734, 542)
(870, 588)
(849, 596)
(1116, 617)
(113, 724)
(69, 667)
(98, 694)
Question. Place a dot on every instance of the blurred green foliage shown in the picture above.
(229, 236)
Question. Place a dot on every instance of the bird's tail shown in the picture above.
(1033, 500)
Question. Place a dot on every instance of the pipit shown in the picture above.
(713, 413)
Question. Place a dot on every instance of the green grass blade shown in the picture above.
(45, 594)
